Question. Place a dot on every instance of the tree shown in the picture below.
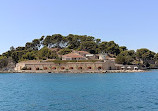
(122, 48)
(7, 54)
(89, 46)
(113, 48)
(16, 55)
(65, 51)
(3, 61)
(45, 53)
(156, 60)
(120, 59)
(42, 38)
(109, 47)
(145, 54)
(36, 44)
(103, 47)
(98, 41)
(47, 41)
(29, 46)
(20, 48)
(73, 41)
(156, 57)
(126, 57)
(52, 55)
(12, 48)
(29, 56)
(87, 38)
(58, 41)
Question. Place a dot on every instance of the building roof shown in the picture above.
(55, 49)
(121, 65)
(90, 55)
(110, 58)
(73, 55)
(83, 52)
(129, 67)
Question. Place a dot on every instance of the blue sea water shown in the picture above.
(79, 92)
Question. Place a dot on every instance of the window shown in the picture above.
(45, 68)
(89, 68)
(99, 68)
(71, 68)
(37, 68)
(62, 68)
(54, 68)
(79, 67)
(29, 68)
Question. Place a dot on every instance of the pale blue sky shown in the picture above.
(133, 23)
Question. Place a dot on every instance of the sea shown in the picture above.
(79, 92)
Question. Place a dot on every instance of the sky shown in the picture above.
(131, 23)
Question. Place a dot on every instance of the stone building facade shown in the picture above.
(63, 67)
(71, 67)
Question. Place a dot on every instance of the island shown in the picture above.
(75, 54)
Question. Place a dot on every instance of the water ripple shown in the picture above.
(79, 92)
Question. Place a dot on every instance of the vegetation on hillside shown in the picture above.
(3, 61)
(40, 49)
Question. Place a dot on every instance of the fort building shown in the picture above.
(74, 67)
(75, 62)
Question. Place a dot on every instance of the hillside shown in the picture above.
(54, 46)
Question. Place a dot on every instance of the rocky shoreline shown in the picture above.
(103, 71)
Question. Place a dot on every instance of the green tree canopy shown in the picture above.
(89, 46)
(16, 55)
(3, 61)
(36, 44)
(109, 47)
(145, 54)
(122, 48)
(73, 41)
(126, 57)
(46, 53)
(65, 51)
(29, 56)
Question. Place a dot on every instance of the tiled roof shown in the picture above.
(83, 52)
(73, 55)
(110, 58)
(55, 49)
